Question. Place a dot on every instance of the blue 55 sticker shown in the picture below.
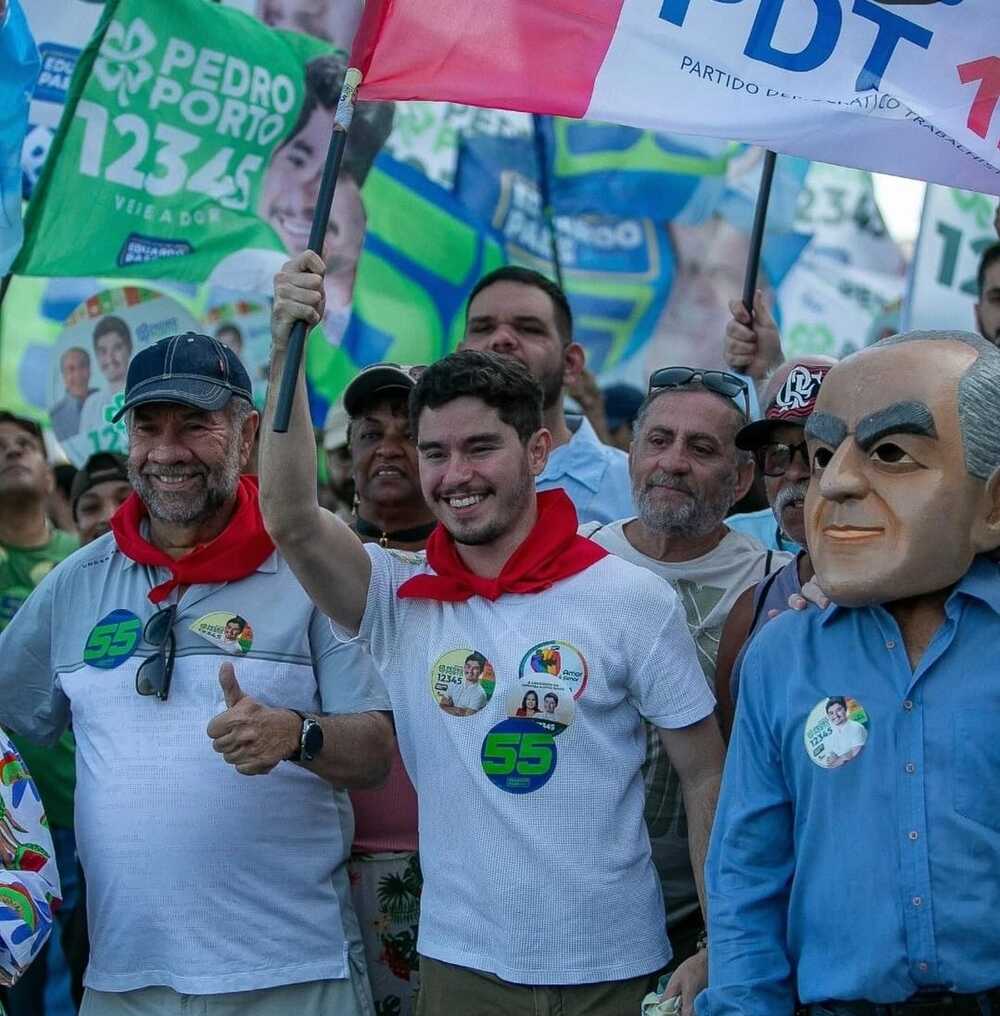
(112, 640)
(519, 756)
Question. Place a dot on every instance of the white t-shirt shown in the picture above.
(708, 586)
(534, 809)
(468, 696)
(850, 734)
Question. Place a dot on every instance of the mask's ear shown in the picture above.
(986, 535)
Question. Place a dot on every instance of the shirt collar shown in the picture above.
(980, 582)
(582, 457)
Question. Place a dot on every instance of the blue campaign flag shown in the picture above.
(18, 70)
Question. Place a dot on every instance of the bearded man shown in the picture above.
(190, 864)
(687, 472)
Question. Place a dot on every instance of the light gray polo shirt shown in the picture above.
(198, 878)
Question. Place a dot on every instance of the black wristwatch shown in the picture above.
(310, 739)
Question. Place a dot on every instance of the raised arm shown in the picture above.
(325, 555)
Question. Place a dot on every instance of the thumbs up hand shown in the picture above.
(252, 737)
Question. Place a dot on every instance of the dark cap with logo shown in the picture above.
(101, 467)
(192, 369)
(793, 403)
(379, 379)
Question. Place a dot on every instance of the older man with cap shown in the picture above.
(855, 859)
(202, 882)
(778, 445)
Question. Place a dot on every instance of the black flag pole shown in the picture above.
(545, 196)
(757, 233)
(317, 233)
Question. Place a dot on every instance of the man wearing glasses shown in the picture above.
(686, 473)
(201, 881)
(778, 445)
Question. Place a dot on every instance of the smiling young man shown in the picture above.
(508, 578)
(129, 640)
(864, 751)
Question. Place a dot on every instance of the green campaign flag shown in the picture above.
(163, 157)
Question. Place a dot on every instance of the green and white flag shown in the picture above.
(165, 161)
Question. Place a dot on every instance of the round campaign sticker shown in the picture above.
(547, 701)
(226, 629)
(519, 756)
(556, 659)
(462, 681)
(836, 731)
(112, 640)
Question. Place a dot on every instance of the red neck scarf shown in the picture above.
(552, 551)
(239, 550)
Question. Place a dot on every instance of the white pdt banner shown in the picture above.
(910, 89)
(955, 230)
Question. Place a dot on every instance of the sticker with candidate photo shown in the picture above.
(556, 659)
(836, 731)
(226, 629)
(547, 701)
(518, 756)
(462, 681)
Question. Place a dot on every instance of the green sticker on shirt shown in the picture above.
(112, 640)
(518, 756)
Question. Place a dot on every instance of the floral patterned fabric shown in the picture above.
(385, 889)
(29, 881)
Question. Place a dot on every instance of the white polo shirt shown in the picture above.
(534, 852)
(198, 878)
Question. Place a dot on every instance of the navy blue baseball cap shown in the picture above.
(192, 369)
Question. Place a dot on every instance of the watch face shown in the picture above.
(312, 739)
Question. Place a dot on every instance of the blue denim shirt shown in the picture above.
(593, 474)
(880, 877)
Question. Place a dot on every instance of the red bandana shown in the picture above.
(239, 550)
(552, 551)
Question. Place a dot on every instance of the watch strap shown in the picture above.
(296, 755)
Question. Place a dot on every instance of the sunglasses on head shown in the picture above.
(153, 677)
(719, 381)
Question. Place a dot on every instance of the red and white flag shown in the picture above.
(895, 86)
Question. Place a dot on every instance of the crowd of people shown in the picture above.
(445, 733)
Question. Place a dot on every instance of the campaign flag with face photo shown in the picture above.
(911, 90)
(183, 131)
(18, 71)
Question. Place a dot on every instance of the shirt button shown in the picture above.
(911, 768)
(917, 900)
(890, 644)
(922, 967)
(913, 834)
(907, 704)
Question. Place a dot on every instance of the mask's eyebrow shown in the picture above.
(826, 427)
(899, 418)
